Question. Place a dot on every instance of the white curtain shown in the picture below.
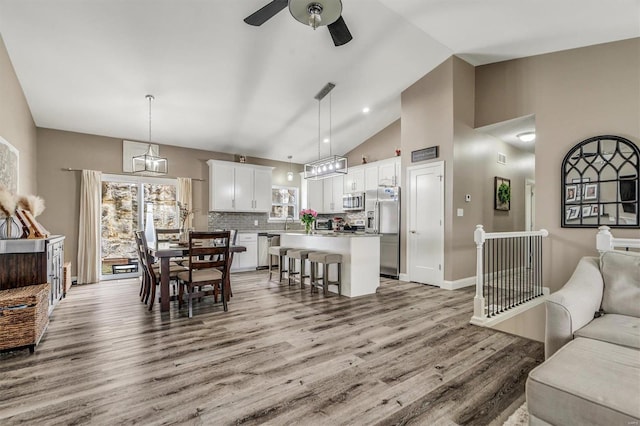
(185, 198)
(89, 228)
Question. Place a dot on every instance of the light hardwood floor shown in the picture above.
(405, 355)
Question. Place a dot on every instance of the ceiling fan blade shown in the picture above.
(339, 32)
(266, 12)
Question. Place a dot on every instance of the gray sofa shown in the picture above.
(591, 375)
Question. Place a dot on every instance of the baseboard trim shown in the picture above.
(457, 284)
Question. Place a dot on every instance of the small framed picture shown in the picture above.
(595, 210)
(586, 211)
(571, 193)
(591, 191)
(573, 212)
(580, 188)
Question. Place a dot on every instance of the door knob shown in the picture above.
(413, 232)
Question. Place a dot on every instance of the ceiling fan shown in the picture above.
(314, 13)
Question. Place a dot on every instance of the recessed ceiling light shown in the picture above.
(526, 136)
(365, 110)
(326, 140)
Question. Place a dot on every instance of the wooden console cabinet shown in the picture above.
(29, 262)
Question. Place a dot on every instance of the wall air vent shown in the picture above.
(502, 158)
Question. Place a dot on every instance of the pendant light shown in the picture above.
(289, 173)
(333, 165)
(150, 163)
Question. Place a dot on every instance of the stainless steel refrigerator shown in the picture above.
(383, 217)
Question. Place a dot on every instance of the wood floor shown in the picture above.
(405, 355)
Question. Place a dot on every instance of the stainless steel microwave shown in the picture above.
(353, 202)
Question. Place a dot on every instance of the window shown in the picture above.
(284, 203)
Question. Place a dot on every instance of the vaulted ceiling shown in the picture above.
(223, 85)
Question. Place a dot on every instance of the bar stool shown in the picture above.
(281, 252)
(301, 255)
(325, 259)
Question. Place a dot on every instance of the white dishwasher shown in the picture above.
(246, 261)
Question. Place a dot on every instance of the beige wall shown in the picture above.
(378, 147)
(427, 120)
(59, 150)
(574, 95)
(16, 124)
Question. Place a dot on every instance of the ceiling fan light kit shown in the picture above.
(150, 163)
(314, 13)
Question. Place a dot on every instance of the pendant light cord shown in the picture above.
(150, 98)
(330, 141)
(318, 129)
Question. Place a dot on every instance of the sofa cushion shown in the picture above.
(619, 329)
(587, 382)
(621, 274)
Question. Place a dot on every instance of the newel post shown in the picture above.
(478, 300)
(604, 239)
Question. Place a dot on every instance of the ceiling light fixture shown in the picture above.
(150, 163)
(333, 165)
(316, 13)
(366, 110)
(526, 136)
(289, 173)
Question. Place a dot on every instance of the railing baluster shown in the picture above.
(508, 271)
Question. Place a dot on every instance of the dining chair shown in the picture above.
(152, 271)
(208, 266)
(142, 253)
(170, 235)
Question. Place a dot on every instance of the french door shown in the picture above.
(126, 202)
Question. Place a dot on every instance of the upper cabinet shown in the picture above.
(389, 172)
(239, 187)
(324, 195)
(354, 180)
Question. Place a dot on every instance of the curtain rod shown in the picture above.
(69, 169)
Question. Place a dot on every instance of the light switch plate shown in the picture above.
(460, 212)
(255, 223)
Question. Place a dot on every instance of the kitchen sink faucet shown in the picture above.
(285, 221)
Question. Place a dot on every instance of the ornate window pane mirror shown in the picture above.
(600, 183)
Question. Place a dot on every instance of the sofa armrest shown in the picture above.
(573, 306)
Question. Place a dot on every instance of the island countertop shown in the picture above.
(360, 257)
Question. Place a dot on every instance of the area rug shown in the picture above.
(519, 418)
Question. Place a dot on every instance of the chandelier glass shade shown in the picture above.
(150, 163)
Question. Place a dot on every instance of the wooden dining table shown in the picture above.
(164, 251)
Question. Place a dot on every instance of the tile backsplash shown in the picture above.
(246, 221)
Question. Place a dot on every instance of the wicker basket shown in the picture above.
(24, 316)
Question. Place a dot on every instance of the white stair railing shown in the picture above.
(508, 271)
(605, 241)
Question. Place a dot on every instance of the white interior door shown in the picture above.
(426, 224)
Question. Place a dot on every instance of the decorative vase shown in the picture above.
(307, 228)
(10, 227)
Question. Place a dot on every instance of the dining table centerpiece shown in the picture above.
(307, 217)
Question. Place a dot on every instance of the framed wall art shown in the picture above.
(502, 193)
(9, 162)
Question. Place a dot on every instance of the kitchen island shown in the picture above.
(360, 258)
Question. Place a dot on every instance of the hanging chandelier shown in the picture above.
(150, 163)
(333, 165)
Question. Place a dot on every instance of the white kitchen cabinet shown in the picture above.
(354, 180)
(389, 172)
(239, 187)
(315, 194)
(247, 260)
(332, 194)
(371, 178)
